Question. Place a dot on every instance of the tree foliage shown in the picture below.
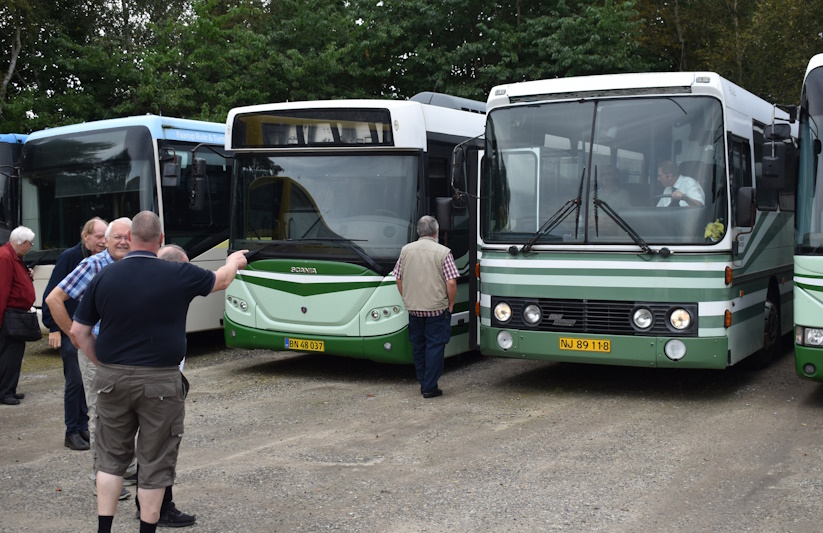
(69, 61)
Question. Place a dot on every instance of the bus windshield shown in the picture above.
(329, 207)
(591, 168)
(65, 178)
(809, 216)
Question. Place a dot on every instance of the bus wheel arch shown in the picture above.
(771, 327)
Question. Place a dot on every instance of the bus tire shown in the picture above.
(771, 331)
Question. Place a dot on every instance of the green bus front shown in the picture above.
(324, 225)
(578, 266)
(808, 260)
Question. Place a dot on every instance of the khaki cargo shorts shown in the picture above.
(150, 399)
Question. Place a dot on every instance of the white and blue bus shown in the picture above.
(119, 167)
(325, 194)
(11, 145)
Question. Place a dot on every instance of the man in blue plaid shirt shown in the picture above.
(74, 286)
(427, 280)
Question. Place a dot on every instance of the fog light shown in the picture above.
(642, 318)
(502, 312)
(531, 314)
(680, 319)
(809, 369)
(814, 337)
(375, 314)
(675, 350)
(387, 346)
(504, 340)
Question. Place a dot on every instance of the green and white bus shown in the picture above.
(324, 195)
(808, 255)
(585, 257)
(117, 168)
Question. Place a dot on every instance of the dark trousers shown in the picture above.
(74, 395)
(429, 336)
(11, 359)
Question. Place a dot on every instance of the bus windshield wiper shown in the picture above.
(349, 243)
(601, 204)
(554, 220)
(598, 203)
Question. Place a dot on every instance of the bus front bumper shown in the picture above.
(623, 350)
(808, 362)
(392, 348)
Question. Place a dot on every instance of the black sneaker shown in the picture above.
(75, 442)
(172, 517)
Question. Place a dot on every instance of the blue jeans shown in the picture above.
(428, 337)
(74, 395)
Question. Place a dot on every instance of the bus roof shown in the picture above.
(814, 62)
(410, 116)
(635, 84)
(610, 85)
(160, 128)
(12, 138)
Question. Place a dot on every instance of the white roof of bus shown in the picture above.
(410, 117)
(156, 124)
(500, 94)
(734, 96)
(814, 62)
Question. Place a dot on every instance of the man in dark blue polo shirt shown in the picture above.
(141, 303)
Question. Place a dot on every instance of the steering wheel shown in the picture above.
(654, 200)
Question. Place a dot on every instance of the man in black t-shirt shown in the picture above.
(141, 303)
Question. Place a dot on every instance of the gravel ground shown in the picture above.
(305, 442)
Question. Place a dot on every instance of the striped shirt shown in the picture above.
(76, 282)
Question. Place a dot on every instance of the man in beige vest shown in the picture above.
(427, 280)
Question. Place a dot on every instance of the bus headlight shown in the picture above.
(531, 314)
(502, 312)
(675, 350)
(813, 337)
(642, 318)
(680, 319)
(375, 314)
(504, 340)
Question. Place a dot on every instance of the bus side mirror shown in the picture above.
(779, 158)
(444, 213)
(197, 200)
(746, 207)
(171, 171)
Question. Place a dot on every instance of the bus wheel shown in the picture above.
(771, 332)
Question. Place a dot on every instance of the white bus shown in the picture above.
(325, 194)
(580, 260)
(119, 167)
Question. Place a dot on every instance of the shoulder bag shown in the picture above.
(21, 325)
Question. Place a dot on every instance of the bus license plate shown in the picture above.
(305, 345)
(585, 345)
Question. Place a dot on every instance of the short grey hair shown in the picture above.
(122, 220)
(21, 234)
(172, 252)
(427, 226)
